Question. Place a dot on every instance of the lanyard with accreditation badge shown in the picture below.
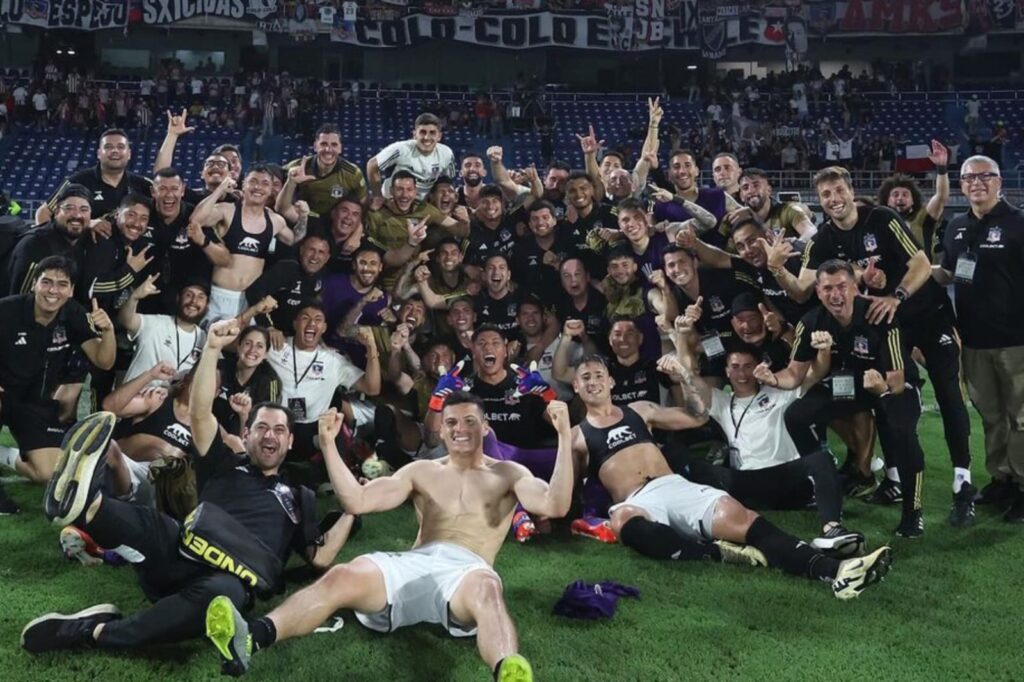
(298, 405)
(968, 260)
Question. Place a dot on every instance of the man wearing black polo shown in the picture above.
(984, 259)
(867, 368)
(38, 331)
(55, 238)
(895, 272)
(108, 181)
(247, 511)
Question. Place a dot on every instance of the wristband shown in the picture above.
(942, 170)
(435, 403)
(901, 294)
(548, 395)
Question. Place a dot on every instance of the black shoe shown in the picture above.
(889, 492)
(66, 631)
(840, 542)
(961, 515)
(78, 475)
(1015, 514)
(856, 484)
(911, 526)
(7, 505)
(998, 493)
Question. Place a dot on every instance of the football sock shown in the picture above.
(789, 553)
(659, 541)
(263, 632)
(960, 476)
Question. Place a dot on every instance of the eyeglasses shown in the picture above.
(71, 208)
(983, 178)
(216, 164)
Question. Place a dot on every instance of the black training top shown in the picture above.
(605, 443)
(485, 242)
(290, 285)
(267, 506)
(104, 199)
(764, 281)
(639, 381)
(857, 348)
(880, 235)
(245, 243)
(163, 424)
(718, 287)
(33, 357)
(35, 245)
(991, 307)
(515, 421)
(500, 312)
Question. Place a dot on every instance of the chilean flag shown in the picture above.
(914, 159)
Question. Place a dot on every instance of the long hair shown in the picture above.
(264, 386)
(904, 182)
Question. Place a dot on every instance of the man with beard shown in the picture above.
(473, 172)
(619, 183)
(555, 180)
(190, 251)
(291, 282)
(440, 281)
(586, 219)
(356, 298)
(445, 199)
(56, 238)
(492, 230)
(465, 506)
(402, 224)
(247, 510)
(246, 229)
(321, 180)
(751, 265)
(788, 219)
(346, 232)
(869, 368)
(901, 194)
(726, 172)
(177, 340)
(537, 256)
(234, 157)
(311, 373)
(423, 157)
(216, 166)
(684, 173)
(896, 273)
(38, 333)
(539, 330)
(497, 304)
(664, 516)
(108, 181)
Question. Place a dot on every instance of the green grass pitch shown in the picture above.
(951, 608)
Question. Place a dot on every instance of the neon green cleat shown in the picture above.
(515, 668)
(229, 632)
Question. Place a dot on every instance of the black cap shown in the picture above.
(620, 249)
(196, 281)
(748, 300)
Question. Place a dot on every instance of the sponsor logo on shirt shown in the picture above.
(179, 434)
(250, 244)
(22, 341)
(620, 435)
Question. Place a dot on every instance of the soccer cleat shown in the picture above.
(889, 492)
(840, 542)
(522, 526)
(54, 631)
(514, 668)
(854, 575)
(740, 554)
(78, 475)
(856, 484)
(7, 505)
(998, 493)
(229, 632)
(911, 526)
(961, 514)
(77, 545)
(594, 527)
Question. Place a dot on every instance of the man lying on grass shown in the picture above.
(465, 504)
(235, 543)
(663, 515)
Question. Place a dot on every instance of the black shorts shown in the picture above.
(34, 425)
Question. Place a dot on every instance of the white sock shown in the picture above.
(960, 476)
(892, 474)
(8, 456)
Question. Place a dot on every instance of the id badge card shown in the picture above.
(298, 408)
(965, 265)
(843, 386)
(712, 345)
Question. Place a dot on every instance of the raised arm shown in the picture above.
(204, 384)
(176, 127)
(551, 499)
(127, 316)
(369, 383)
(673, 418)
(129, 400)
(706, 254)
(379, 494)
(210, 212)
(940, 157)
(102, 351)
(589, 145)
(502, 179)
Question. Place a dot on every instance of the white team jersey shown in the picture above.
(159, 338)
(311, 376)
(404, 155)
(762, 440)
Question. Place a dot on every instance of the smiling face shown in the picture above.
(497, 276)
(622, 270)
(258, 188)
(234, 163)
(593, 384)
(133, 221)
(542, 223)
(901, 200)
(489, 355)
(427, 136)
(979, 188)
(73, 215)
(462, 429)
(443, 197)
(489, 209)
(749, 326)
(625, 339)
(268, 440)
(633, 224)
(167, 196)
(310, 325)
(473, 171)
(683, 172)
(836, 198)
(755, 192)
(367, 268)
(739, 369)
(314, 254)
(192, 304)
(530, 317)
(52, 290)
(346, 219)
(747, 247)
(252, 349)
(580, 193)
(114, 153)
(448, 257)
(837, 293)
(413, 312)
(679, 268)
(462, 317)
(327, 148)
(609, 164)
(215, 169)
(619, 183)
(403, 193)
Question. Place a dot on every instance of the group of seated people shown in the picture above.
(653, 357)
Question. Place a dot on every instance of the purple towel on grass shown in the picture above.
(591, 601)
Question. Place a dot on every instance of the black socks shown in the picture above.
(788, 553)
(659, 541)
(264, 633)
